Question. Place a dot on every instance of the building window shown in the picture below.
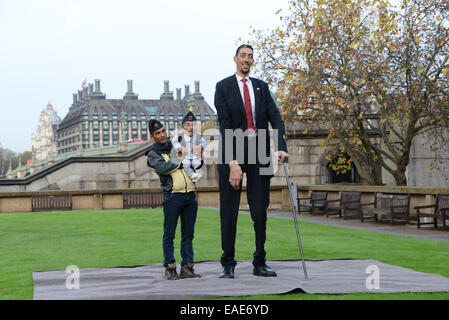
(105, 138)
(151, 110)
(161, 116)
(95, 116)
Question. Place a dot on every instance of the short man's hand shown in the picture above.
(282, 156)
(182, 153)
(235, 175)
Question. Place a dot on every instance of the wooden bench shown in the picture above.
(440, 211)
(142, 199)
(349, 202)
(316, 201)
(389, 206)
(51, 202)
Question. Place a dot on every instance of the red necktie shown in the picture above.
(248, 109)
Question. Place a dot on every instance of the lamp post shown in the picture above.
(122, 147)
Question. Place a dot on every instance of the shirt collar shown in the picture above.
(239, 78)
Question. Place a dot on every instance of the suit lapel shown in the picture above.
(256, 88)
(236, 93)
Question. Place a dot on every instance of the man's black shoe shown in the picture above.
(227, 272)
(264, 271)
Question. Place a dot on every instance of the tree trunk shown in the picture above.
(401, 166)
(400, 178)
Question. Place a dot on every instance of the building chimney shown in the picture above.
(178, 93)
(85, 93)
(187, 91)
(75, 98)
(129, 93)
(91, 89)
(97, 86)
(97, 93)
(197, 87)
(197, 95)
(167, 94)
(80, 95)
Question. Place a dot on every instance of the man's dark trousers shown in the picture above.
(258, 187)
(177, 205)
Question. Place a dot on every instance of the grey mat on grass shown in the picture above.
(147, 282)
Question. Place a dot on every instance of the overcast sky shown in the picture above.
(48, 47)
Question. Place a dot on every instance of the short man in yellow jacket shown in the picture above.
(179, 201)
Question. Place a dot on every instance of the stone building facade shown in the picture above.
(43, 141)
(95, 121)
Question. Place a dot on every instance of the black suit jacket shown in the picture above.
(231, 113)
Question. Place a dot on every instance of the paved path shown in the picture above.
(425, 232)
(411, 230)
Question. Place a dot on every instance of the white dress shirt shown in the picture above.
(251, 94)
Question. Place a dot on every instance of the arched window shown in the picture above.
(346, 172)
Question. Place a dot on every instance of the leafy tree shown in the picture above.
(8, 156)
(374, 73)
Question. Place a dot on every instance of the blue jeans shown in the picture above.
(177, 205)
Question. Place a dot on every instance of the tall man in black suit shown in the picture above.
(244, 104)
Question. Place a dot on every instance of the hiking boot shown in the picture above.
(188, 272)
(170, 272)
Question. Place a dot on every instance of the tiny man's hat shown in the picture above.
(189, 117)
(154, 125)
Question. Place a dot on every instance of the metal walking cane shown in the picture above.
(295, 220)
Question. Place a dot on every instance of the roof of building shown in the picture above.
(96, 102)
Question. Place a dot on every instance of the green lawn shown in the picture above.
(54, 240)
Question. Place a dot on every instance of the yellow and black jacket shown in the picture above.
(172, 175)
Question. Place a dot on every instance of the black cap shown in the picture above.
(188, 117)
(154, 125)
